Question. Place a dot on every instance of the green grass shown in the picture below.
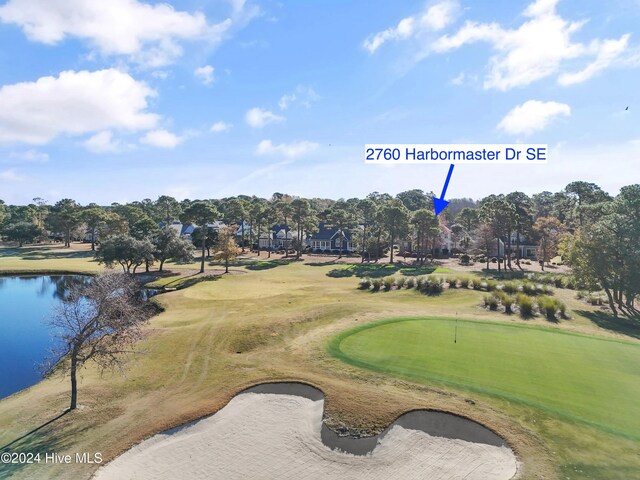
(281, 319)
(585, 379)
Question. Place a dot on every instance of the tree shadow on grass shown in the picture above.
(628, 326)
(321, 264)
(364, 270)
(381, 270)
(187, 281)
(29, 253)
(418, 270)
(504, 275)
(47, 438)
(253, 264)
(266, 264)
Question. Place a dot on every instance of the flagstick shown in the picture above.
(455, 338)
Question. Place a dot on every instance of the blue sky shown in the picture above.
(127, 99)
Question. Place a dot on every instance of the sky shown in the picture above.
(129, 99)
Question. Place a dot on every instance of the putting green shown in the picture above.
(587, 379)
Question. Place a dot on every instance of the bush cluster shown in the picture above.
(527, 306)
(426, 285)
(595, 299)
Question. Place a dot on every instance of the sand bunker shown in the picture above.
(278, 436)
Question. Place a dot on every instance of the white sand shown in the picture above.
(270, 436)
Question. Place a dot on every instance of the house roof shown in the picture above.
(279, 226)
(187, 229)
(327, 233)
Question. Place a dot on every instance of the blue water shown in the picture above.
(25, 339)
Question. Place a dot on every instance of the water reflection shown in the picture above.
(26, 304)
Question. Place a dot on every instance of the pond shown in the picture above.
(25, 339)
(25, 304)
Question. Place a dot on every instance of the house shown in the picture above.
(185, 230)
(243, 230)
(279, 237)
(441, 246)
(499, 247)
(527, 247)
(331, 239)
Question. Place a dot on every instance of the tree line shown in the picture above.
(596, 233)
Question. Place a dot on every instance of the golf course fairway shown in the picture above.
(586, 379)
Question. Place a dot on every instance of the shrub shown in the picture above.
(376, 283)
(411, 282)
(525, 305)
(558, 282)
(400, 282)
(365, 284)
(453, 283)
(491, 301)
(580, 295)
(528, 288)
(494, 260)
(570, 283)
(507, 302)
(546, 289)
(510, 287)
(464, 282)
(594, 299)
(491, 285)
(432, 286)
(465, 259)
(562, 307)
(548, 306)
(476, 284)
(388, 283)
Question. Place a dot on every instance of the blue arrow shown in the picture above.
(439, 204)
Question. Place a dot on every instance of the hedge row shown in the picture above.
(526, 305)
(434, 285)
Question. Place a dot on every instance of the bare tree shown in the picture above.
(100, 322)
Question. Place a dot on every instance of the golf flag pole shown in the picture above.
(455, 337)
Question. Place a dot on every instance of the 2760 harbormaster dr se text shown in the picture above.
(421, 153)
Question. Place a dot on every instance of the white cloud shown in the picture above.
(606, 53)
(258, 118)
(74, 103)
(11, 176)
(433, 18)
(532, 116)
(303, 94)
(289, 150)
(204, 74)
(220, 127)
(103, 142)
(535, 50)
(30, 156)
(162, 139)
(146, 33)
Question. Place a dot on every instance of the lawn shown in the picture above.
(271, 320)
(584, 379)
